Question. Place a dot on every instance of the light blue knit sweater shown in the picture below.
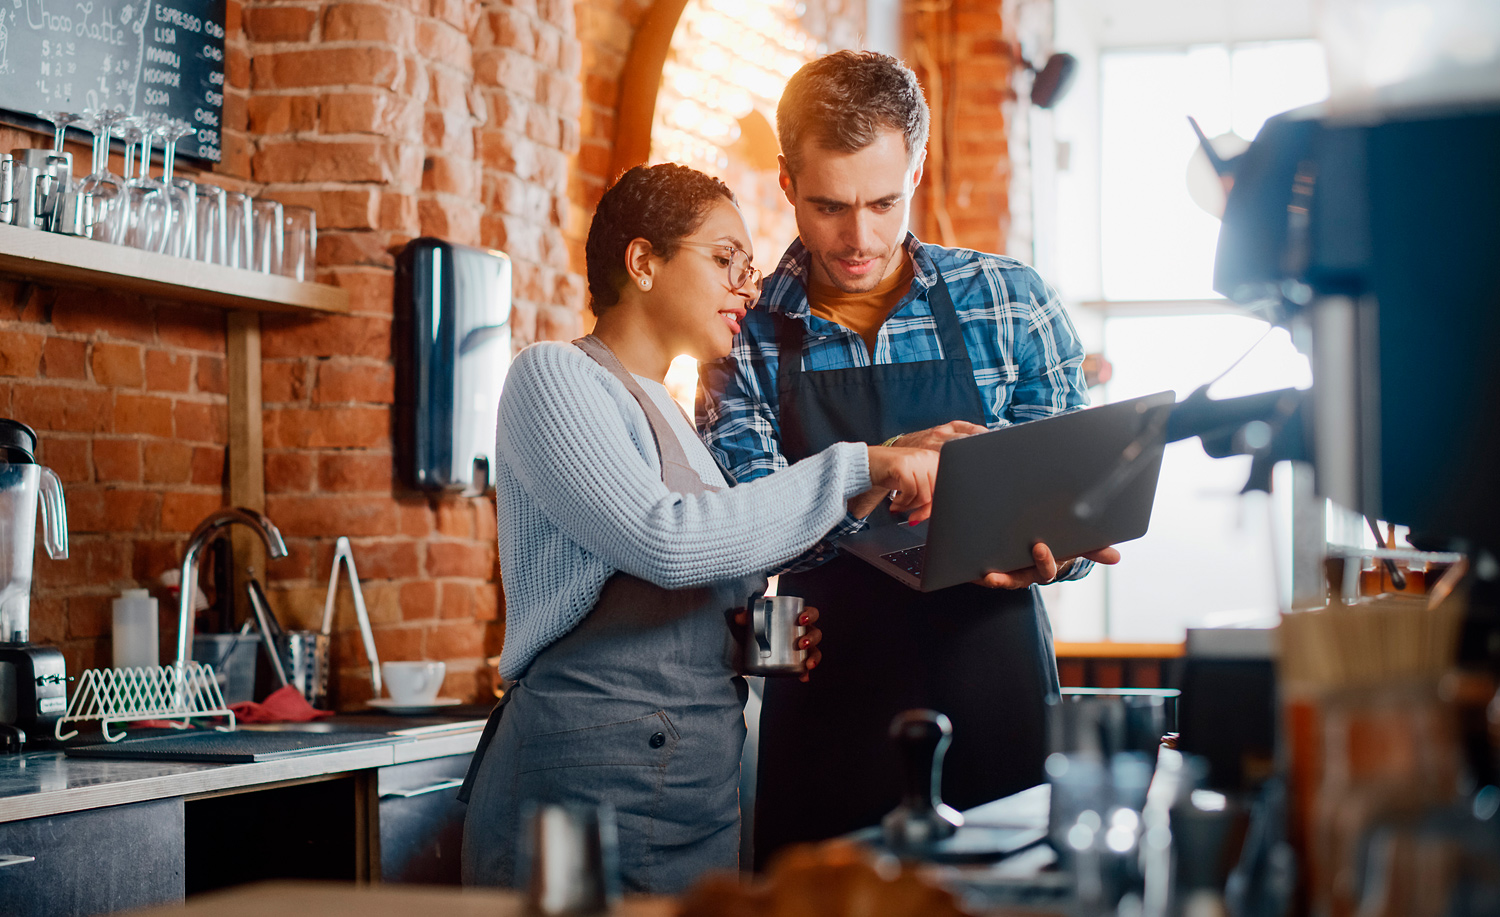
(579, 496)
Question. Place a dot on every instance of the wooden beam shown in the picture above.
(639, 83)
(245, 455)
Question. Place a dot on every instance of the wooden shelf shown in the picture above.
(84, 262)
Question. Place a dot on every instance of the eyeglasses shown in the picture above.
(738, 262)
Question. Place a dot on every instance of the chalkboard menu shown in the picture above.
(144, 56)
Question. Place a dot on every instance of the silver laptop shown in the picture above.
(1077, 482)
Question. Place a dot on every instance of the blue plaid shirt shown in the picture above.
(1028, 362)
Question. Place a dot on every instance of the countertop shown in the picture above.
(336, 900)
(49, 782)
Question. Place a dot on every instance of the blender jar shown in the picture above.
(22, 488)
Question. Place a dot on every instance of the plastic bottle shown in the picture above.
(136, 638)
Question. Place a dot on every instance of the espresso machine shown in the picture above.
(33, 678)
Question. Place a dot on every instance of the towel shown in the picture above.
(284, 705)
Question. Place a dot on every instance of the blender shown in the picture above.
(33, 678)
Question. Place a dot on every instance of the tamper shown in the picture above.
(923, 736)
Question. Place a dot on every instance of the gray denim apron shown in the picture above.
(982, 656)
(638, 706)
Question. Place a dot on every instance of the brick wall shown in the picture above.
(394, 120)
(489, 123)
(128, 399)
(961, 54)
(605, 30)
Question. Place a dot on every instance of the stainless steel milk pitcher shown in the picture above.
(773, 638)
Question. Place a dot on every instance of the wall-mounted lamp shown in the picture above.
(1051, 82)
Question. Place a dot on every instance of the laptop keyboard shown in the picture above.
(912, 560)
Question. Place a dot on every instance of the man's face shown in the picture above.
(853, 209)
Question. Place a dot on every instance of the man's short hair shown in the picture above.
(842, 101)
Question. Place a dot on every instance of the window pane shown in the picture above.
(1271, 78)
(1155, 242)
(1209, 550)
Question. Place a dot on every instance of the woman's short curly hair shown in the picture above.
(662, 204)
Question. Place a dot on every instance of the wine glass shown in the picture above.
(129, 132)
(60, 121)
(182, 193)
(106, 191)
(150, 210)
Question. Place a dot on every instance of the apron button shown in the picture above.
(658, 740)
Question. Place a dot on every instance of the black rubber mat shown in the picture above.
(230, 747)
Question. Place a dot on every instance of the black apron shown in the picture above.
(982, 656)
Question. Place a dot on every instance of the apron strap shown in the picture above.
(791, 332)
(491, 726)
(950, 332)
(676, 471)
(788, 380)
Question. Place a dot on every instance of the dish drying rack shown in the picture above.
(189, 690)
(167, 692)
(185, 690)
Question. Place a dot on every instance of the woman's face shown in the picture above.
(692, 306)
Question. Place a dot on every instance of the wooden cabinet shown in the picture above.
(94, 862)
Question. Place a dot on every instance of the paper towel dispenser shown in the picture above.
(453, 348)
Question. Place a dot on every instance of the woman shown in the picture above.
(625, 555)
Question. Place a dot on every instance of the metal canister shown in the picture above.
(40, 180)
(7, 188)
(305, 655)
(773, 640)
(74, 215)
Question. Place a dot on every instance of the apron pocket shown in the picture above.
(646, 741)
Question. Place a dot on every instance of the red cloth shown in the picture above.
(284, 705)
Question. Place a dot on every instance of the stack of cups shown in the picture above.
(136, 637)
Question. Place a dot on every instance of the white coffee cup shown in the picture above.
(413, 683)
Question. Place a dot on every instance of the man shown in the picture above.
(865, 334)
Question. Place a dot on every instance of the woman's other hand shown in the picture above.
(908, 475)
(809, 641)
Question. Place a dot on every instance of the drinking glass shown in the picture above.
(181, 193)
(239, 230)
(150, 210)
(269, 227)
(210, 238)
(107, 196)
(299, 242)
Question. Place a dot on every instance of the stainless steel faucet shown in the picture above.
(207, 531)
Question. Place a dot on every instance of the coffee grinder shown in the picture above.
(33, 678)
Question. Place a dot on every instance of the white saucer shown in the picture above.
(392, 706)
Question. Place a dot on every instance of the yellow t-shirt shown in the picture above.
(862, 313)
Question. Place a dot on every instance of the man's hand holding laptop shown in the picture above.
(1046, 569)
